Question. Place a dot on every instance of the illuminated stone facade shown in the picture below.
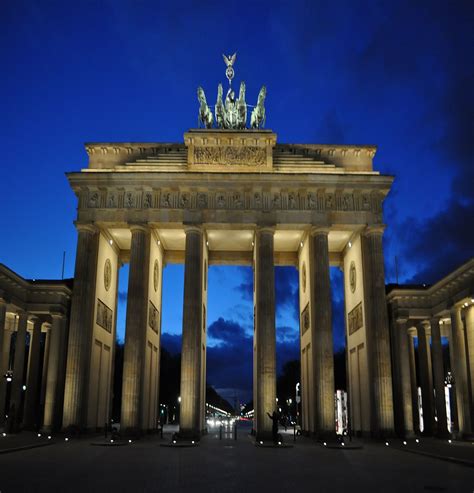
(228, 197)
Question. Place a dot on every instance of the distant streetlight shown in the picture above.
(179, 399)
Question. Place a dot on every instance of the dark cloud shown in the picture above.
(338, 308)
(226, 332)
(171, 342)
(287, 291)
(440, 244)
(230, 362)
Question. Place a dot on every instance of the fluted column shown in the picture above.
(52, 401)
(404, 392)
(81, 326)
(4, 357)
(18, 368)
(31, 397)
(413, 382)
(321, 327)
(438, 378)
(378, 337)
(265, 350)
(44, 375)
(191, 354)
(460, 372)
(469, 318)
(136, 324)
(426, 378)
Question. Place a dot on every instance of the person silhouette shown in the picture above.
(274, 417)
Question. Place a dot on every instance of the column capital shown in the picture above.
(374, 229)
(142, 227)
(37, 320)
(456, 308)
(319, 230)
(193, 228)
(265, 229)
(401, 320)
(86, 227)
(56, 315)
(424, 324)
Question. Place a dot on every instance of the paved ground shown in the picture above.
(225, 466)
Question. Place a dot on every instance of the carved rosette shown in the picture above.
(156, 275)
(107, 274)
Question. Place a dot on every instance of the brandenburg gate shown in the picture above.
(227, 196)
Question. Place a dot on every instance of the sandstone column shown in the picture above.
(378, 336)
(460, 372)
(31, 398)
(438, 378)
(413, 382)
(191, 354)
(426, 379)
(81, 325)
(469, 319)
(321, 326)
(404, 394)
(52, 401)
(18, 367)
(44, 375)
(136, 324)
(265, 350)
(4, 356)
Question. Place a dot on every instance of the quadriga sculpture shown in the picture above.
(257, 118)
(205, 114)
(241, 108)
(220, 110)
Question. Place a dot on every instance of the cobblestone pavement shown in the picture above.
(225, 465)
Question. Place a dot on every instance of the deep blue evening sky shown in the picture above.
(397, 74)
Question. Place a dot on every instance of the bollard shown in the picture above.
(294, 432)
(220, 432)
(235, 430)
(105, 430)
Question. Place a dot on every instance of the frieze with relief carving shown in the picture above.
(312, 199)
(230, 156)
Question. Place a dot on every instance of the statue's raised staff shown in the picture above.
(205, 114)
(257, 118)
